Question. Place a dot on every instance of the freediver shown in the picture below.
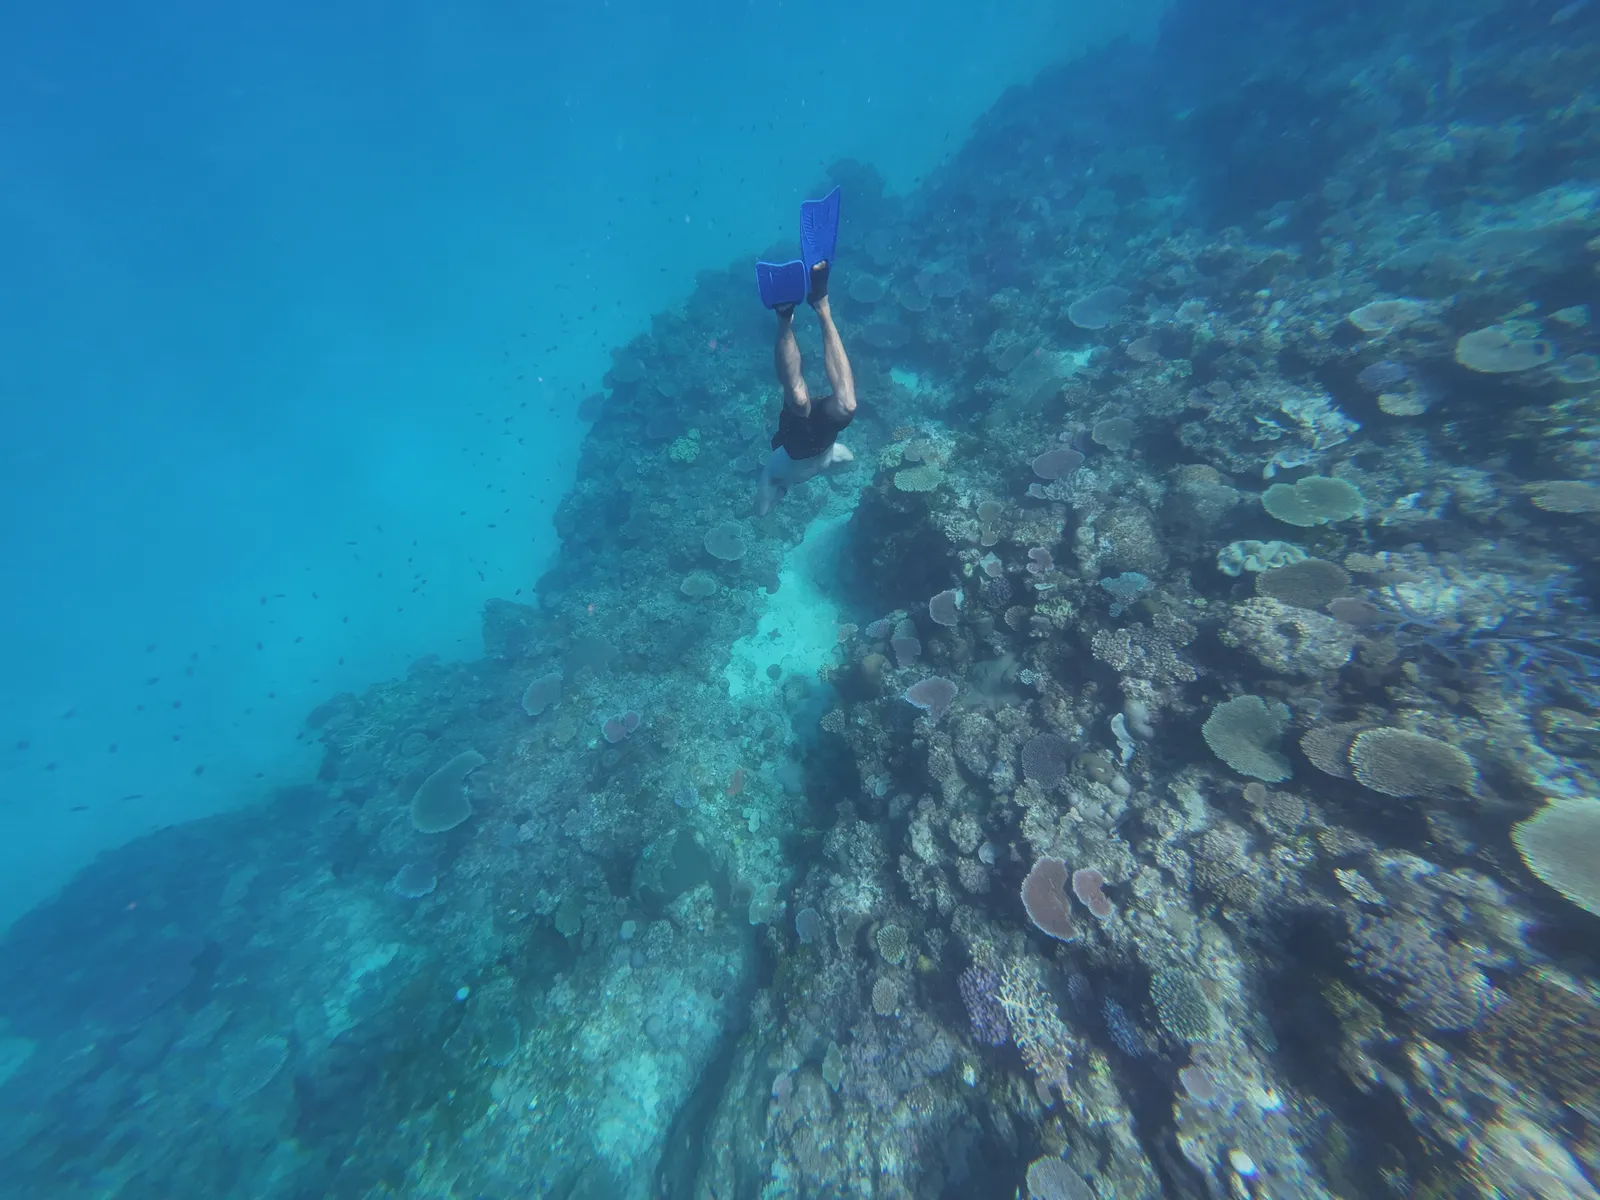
(808, 426)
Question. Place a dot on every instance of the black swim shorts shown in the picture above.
(810, 435)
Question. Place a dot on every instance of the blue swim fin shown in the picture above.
(782, 283)
(819, 230)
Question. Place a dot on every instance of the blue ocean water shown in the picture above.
(1152, 751)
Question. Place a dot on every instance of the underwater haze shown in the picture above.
(300, 304)
(942, 602)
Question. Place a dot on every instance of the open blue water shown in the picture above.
(1164, 760)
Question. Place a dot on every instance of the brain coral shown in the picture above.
(1398, 762)
(1241, 732)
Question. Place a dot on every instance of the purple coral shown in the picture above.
(906, 650)
(944, 608)
(1044, 896)
(1381, 375)
(542, 693)
(1046, 759)
(1099, 308)
(980, 992)
(1057, 463)
(932, 695)
(808, 924)
(1086, 886)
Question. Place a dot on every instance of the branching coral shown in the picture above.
(1142, 652)
(1432, 950)
(1036, 1026)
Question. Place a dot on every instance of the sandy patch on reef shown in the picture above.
(801, 622)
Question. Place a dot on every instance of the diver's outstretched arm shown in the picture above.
(786, 361)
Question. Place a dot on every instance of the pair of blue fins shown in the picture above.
(789, 283)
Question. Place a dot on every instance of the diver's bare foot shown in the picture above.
(819, 283)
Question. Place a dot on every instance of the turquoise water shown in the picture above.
(1162, 760)
(303, 302)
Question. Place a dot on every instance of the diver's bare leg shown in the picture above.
(841, 379)
(786, 361)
